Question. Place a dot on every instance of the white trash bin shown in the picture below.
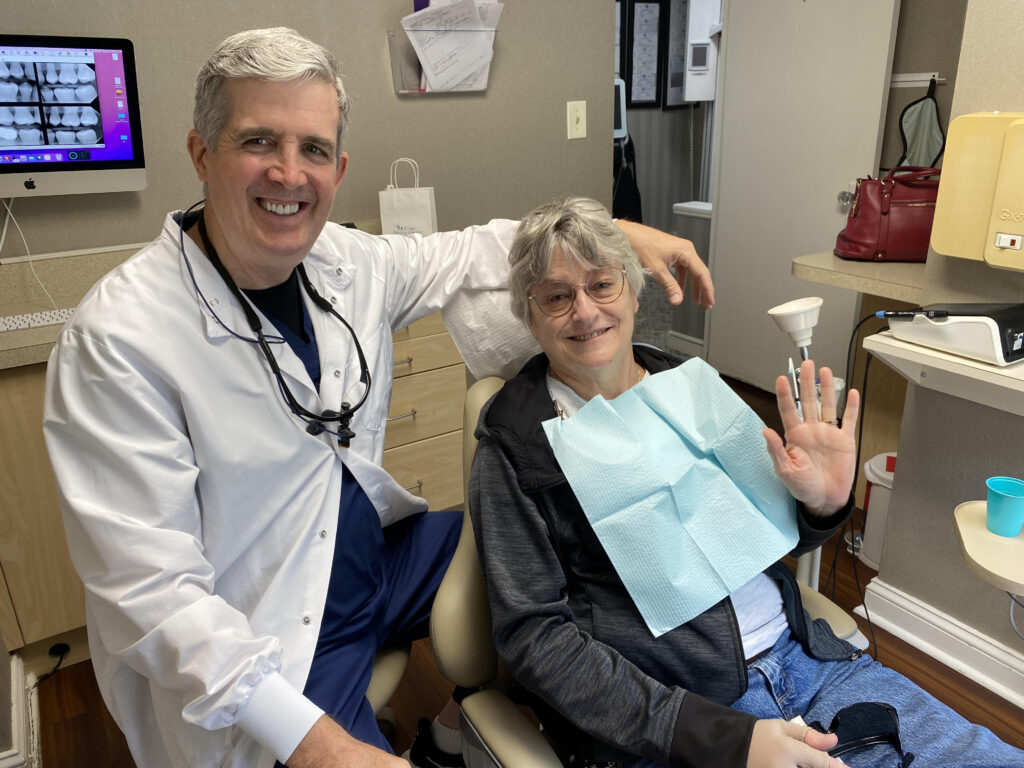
(878, 471)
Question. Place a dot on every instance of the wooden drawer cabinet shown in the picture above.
(430, 468)
(425, 354)
(10, 632)
(40, 593)
(423, 441)
(426, 404)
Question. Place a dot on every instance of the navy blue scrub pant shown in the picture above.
(382, 587)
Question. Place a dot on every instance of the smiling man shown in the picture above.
(270, 175)
(215, 418)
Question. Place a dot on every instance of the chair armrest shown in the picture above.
(820, 607)
(505, 733)
(388, 667)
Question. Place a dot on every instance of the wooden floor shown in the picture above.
(75, 729)
(77, 732)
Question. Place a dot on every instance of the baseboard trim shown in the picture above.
(19, 753)
(984, 660)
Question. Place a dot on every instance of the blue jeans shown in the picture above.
(786, 682)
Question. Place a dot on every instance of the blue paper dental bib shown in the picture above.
(679, 488)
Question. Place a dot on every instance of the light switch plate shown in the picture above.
(576, 119)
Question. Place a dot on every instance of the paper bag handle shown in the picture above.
(394, 172)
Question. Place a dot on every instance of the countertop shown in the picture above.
(900, 281)
(68, 276)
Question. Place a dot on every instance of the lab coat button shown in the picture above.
(306, 619)
(334, 299)
(337, 373)
(214, 302)
(339, 271)
(323, 534)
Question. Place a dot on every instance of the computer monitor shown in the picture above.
(619, 108)
(69, 116)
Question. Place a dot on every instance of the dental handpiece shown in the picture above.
(907, 314)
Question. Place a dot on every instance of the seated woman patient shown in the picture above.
(723, 688)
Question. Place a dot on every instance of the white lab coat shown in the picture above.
(199, 513)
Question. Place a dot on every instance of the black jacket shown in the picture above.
(565, 624)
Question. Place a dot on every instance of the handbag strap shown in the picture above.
(394, 172)
(915, 173)
(882, 241)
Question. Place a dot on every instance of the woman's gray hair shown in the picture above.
(583, 230)
(277, 54)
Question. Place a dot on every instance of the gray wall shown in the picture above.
(948, 446)
(927, 40)
(498, 153)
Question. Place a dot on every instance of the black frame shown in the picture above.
(626, 52)
(667, 30)
(131, 98)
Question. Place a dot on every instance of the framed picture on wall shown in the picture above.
(675, 55)
(642, 30)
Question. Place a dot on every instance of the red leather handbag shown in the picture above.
(890, 219)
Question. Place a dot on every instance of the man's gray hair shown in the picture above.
(583, 230)
(277, 54)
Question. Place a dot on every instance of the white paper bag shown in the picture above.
(407, 210)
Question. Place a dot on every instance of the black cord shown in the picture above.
(860, 432)
(831, 582)
(860, 425)
(62, 650)
(851, 358)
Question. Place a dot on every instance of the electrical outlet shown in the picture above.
(576, 119)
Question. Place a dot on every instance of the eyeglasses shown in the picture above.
(602, 285)
(865, 724)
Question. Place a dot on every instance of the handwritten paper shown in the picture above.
(452, 42)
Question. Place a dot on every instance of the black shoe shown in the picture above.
(424, 753)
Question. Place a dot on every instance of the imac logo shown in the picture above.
(30, 183)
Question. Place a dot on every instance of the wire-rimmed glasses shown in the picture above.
(602, 285)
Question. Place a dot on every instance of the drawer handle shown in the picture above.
(407, 361)
(418, 485)
(411, 414)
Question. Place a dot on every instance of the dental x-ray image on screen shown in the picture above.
(69, 116)
(55, 100)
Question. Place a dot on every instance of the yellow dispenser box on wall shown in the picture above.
(979, 213)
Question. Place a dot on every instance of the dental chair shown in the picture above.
(498, 733)
(386, 673)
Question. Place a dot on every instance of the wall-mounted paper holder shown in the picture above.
(407, 75)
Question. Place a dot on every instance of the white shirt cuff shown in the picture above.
(278, 716)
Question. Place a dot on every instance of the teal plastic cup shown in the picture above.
(1005, 512)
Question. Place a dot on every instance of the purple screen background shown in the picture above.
(114, 127)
